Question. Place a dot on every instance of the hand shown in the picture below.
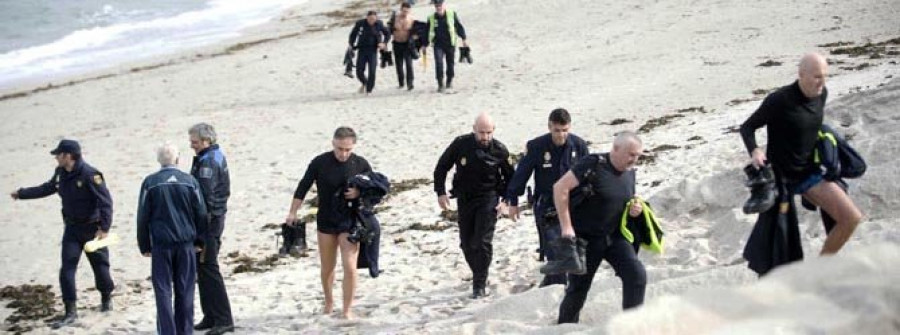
(501, 207)
(758, 158)
(444, 202)
(101, 234)
(14, 195)
(636, 208)
(291, 218)
(146, 254)
(513, 212)
(351, 193)
(198, 249)
(465, 44)
(568, 232)
(380, 46)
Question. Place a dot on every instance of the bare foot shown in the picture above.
(347, 315)
(329, 307)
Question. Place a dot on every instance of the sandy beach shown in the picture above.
(683, 73)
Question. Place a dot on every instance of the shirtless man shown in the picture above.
(402, 29)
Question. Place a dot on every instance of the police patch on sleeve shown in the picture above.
(206, 172)
(98, 179)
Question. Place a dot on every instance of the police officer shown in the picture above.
(171, 220)
(370, 36)
(595, 219)
(548, 156)
(211, 171)
(444, 30)
(482, 172)
(87, 213)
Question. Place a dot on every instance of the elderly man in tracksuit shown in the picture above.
(171, 222)
(211, 171)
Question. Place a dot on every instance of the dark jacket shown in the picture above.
(837, 158)
(211, 170)
(85, 198)
(775, 239)
(373, 187)
(171, 210)
(365, 36)
(479, 171)
(548, 164)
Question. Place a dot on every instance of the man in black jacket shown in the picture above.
(443, 28)
(211, 171)
(370, 35)
(171, 221)
(87, 213)
(482, 173)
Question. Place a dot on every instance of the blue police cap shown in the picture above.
(67, 146)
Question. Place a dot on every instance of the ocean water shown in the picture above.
(44, 39)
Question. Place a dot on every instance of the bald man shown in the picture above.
(596, 219)
(793, 117)
(482, 173)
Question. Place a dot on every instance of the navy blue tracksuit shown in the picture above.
(211, 170)
(548, 162)
(86, 207)
(366, 38)
(171, 220)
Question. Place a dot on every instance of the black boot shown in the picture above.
(287, 237)
(69, 318)
(300, 240)
(762, 189)
(570, 257)
(106, 304)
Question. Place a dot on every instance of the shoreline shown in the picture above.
(322, 19)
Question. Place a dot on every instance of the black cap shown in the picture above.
(437, 2)
(67, 146)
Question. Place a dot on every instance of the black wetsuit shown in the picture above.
(482, 174)
(331, 176)
(792, 121)
(596, 219)
(367, 37)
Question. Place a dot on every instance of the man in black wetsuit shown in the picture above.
(482, 172)
(596, 220)
(793, 116)
(331, 171)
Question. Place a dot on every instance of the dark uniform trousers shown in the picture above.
(174, 270)
(622, 257)
(441, 54)
(366, 58)
(213, 297)
(477, 220)
(74, 238)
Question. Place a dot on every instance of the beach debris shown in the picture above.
(250, 264)
(515, 158)
(29, 303)
(665, 147)
(695, 138)
(657, 122)
(769, 63)
(617, 121)
(450, 215)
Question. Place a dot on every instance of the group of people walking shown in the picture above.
(443, 31)
(578, 195)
